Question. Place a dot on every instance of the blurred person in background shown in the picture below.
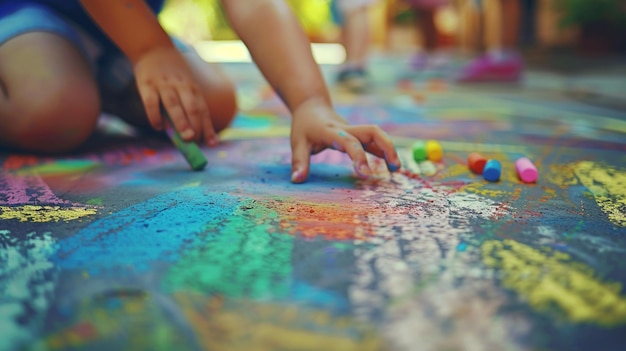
(353, 17)
(500, 21)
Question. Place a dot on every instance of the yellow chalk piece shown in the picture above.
(41, 214)
(551, 278)
(434, 151)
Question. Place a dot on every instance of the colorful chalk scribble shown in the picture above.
(119, 247)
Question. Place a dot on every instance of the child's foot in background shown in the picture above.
(353, 78)
(493, 68)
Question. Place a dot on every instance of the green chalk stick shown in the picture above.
(189, 149)
(419, 151)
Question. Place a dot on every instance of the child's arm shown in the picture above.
(162, 74)
(282, 51)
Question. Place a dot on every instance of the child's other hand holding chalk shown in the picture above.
(316, 127)
(163, 77)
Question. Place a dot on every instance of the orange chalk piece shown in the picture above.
(526, 170)
(476, 162)
(434, 151)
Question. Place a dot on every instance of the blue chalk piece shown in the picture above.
(492, 170)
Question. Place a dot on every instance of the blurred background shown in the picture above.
(573, 27)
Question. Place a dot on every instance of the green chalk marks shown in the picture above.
(190, 150)
(244, 260)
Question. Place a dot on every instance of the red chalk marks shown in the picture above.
(79, 334)
(122, 156)
(410, 174)
(438, 85)
(15, 162)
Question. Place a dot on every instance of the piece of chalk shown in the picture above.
(434, 151)
(427, 168)
(476, 162)
(419, 151)
(492, 170)
(526, 170)
(189, 149)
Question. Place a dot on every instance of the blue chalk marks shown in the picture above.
(154, 230)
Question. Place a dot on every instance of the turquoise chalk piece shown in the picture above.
(492, 170)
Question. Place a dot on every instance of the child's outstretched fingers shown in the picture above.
(377, 142)
(300, 160)
(352, 146)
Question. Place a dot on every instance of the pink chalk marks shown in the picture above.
(29, 199)
(21, 190)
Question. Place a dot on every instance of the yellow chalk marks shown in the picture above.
(247, 325)
(548, 279)
(608, 186)
(35, 213)
(484, 190)
(562, 175)
(454, 170)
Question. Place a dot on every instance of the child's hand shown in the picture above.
(163, 77)
(316, 127)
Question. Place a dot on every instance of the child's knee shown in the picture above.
(54, 119)
(222, 105)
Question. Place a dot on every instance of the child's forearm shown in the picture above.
(279, 47)
(130, 24)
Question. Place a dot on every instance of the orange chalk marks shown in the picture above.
(438, 85)
(330, 220)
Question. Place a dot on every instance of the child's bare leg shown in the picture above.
(469, 28)
(356, 36)
(218, 89)
(425, 23)
(511, 15)
(493, 25)
(499, 64)
(49, 100)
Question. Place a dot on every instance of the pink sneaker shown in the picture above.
(486, 68)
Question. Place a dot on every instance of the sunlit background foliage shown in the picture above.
(197, 20)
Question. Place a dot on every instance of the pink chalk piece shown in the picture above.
(526, 170)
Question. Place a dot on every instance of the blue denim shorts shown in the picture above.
(111, 68)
